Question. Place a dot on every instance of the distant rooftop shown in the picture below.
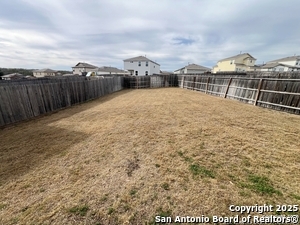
(46, 70)
(244, 55)
(109, 69)
(85, 65)
(289, 58)
(194, 66)
(140, 58)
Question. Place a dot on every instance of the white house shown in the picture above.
(192, 68)
(291, 63)
(82, 67)
(140, 66)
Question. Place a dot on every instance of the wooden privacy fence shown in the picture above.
(279, 94)
(21, 100)
(153, 81)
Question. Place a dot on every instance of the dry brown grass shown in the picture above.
(126, 157)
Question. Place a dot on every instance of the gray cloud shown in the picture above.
(59, 33)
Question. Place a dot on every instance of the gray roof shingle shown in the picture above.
(84, 65)
(289, 58)
(140, 58)
(244, 55)
(194, 66)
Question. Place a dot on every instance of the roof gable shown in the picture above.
(239, 56)
(46, 70)
(194, 66)
(109, 69)
(289, 58)
(140, 58)
(85, 65)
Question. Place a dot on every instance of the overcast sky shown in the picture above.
(58, 34)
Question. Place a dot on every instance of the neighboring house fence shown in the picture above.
(279, 94)
(25, 99)
(21, 100)
(153, 81)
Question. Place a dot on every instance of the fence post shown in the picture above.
(207, 85)
(165, 78)
(183, 81)
(194, 80)
(258, 91)
(227, 87)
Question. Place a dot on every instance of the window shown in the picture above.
(139, 63)
(250, 61)
(131, 61)
(146, 73)
(146, 63)
(280, 69)
(136, 73)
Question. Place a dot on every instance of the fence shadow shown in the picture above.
(25, 145)
(22, 151)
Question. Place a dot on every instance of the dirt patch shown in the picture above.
(132, 155)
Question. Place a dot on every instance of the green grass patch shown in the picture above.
(180, 153)
(79, 210)
(200, 170)
(104, 198)
(293, 195)
(186, 158)
(165, 186)
(2, 206)
(111, 210)
(162, 213)
(260, 184)
(133, 192)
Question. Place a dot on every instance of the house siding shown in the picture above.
(235, 64)
(133, 66)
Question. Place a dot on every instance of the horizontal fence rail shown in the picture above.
(153, 81)
(278, 94)
(23, 100)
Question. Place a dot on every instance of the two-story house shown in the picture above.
(192, 68)
(82, 68)
(239, 63)
(140, 66)
(291, 63)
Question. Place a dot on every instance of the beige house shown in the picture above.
(44, 73)
(192, 68)
(82, 67)
(238, 63)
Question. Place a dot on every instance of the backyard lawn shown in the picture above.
(133, 155)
